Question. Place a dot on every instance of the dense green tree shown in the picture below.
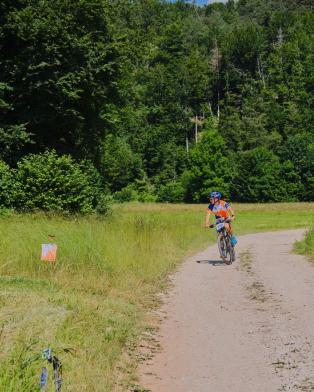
(258, 177)
(209, 169)
(298, 154)
(60, 64)
(131, 85)
(120, 165)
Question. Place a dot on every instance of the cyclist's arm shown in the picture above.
(231, 212)
(207, 217)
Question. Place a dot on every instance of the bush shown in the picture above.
(140, 190)
(5, 212)
(126, 194)
(172, 192)
(52, 182)
(8, 187)
(104, 205)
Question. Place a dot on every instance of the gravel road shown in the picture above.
(247, 327)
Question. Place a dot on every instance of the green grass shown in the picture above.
(90, 306)
(306, 246)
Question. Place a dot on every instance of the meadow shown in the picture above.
(90, 305)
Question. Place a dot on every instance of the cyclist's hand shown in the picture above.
(233, 217)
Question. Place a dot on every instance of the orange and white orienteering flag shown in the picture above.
(49, 252)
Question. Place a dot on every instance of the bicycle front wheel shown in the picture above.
(230, 255)
(222, 246)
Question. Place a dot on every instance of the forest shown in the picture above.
(149, 100)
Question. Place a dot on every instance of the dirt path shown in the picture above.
(248, 327)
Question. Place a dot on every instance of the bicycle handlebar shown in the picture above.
(220, 220)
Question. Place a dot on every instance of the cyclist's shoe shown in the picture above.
(234, 240)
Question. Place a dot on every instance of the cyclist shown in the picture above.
(221, 209)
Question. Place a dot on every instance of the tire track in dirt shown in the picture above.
(248, 327)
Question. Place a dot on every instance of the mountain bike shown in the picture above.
(225, 247)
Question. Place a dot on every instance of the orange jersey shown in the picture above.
(220, 210)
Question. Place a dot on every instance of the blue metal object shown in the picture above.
(57, 370)
(47, 354)
(43, 378)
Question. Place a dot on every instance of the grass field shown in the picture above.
(90, 305)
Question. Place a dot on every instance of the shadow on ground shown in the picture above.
(210, 262)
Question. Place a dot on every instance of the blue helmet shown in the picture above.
(215, 195)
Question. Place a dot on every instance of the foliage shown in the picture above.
(103, 206)
(306, 246)
(140, 190)
(210, 168)
(50, 182)
(60, 66)
(120, 165)
(8, 186)
(171, 192)
(298, 153)
(258, 177)
(127, 85)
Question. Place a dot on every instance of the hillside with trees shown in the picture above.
(155, 101)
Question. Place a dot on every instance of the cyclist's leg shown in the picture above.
(229, 228)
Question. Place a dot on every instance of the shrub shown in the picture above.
(8, 186)
(52, 182)
(126, 194)
(104, 205)
(172, 192)
(140, 190)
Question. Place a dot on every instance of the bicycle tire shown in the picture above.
(222, 246)
(231, 247)
(233, 254)
(229, 250)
